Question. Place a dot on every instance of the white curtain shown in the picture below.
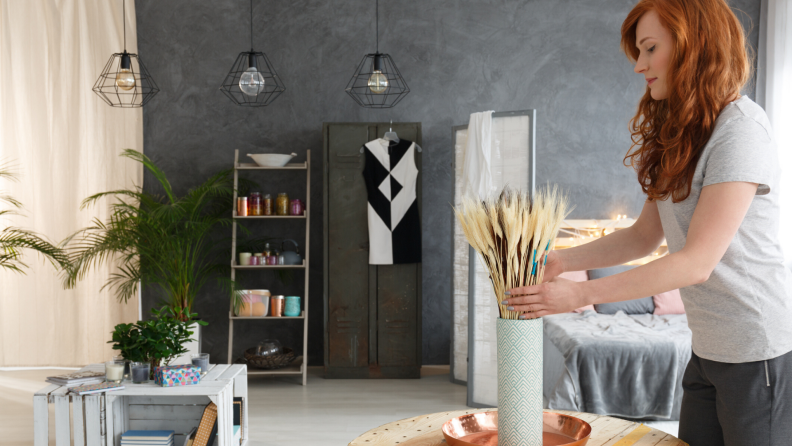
(65, 143)
(775, 76)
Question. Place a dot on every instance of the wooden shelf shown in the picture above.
(301, 316)
(269, 266)
(295, 368)
(268, 216)
(254, 166)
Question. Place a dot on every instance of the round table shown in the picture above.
(424, 430)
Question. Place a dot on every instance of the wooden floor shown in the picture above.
(283, 412)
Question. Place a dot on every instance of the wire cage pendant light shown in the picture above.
(252, 81)
(377, 83)
(125, 82)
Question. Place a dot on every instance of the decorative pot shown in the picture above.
(520, 382)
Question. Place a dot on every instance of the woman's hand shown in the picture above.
(556, 296)
(554, 266)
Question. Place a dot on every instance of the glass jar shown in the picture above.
(269, 347)
(296, 207)
(201, 360)
(120, 359)
(282, 204)
(267, 250)
(273, 257)
(255, 205)
(140, 372)
(267, 204)
(114, 371)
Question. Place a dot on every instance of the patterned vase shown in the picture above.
(519, 382)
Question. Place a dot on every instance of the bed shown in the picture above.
(629, 366)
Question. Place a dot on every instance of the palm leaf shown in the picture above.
(162, 241)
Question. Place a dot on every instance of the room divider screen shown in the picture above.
(474, 308)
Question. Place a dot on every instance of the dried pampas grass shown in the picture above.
(513, 233)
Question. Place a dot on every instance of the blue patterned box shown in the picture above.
(177, 375)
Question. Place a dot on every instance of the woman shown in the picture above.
(706, 159)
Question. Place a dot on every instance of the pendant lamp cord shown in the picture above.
(377, 20)
(251, 26)
(123, 7)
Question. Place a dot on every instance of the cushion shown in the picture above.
(577, 276)
(669, 302)
(643, 305)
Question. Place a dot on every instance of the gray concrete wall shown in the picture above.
(560, 57)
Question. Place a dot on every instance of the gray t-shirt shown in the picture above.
(743, 312)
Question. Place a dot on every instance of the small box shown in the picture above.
(177, 375)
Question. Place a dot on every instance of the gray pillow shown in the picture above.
(636, 306)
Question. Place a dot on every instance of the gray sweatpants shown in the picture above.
(748, 404)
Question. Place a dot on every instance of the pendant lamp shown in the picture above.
(125, 82)
(252, 81)
(377, 83)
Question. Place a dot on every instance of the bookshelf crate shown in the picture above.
(100, 419)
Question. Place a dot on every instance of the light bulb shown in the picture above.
(378, 83)
(125, 79)
(251, 82)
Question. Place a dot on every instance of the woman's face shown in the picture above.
(654, 42)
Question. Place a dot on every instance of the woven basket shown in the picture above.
(269, 362)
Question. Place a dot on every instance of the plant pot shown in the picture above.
(193, 347)
(520, 382)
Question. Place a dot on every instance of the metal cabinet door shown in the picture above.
(399, 295)
(348, 268)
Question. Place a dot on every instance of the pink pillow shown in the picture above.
(669, 302)
(577, 276)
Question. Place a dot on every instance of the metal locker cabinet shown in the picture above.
(372, 313)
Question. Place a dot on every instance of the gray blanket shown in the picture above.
(623, 365)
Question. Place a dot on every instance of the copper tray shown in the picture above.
(481, 429)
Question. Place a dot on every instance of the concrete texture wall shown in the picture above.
(560, 57)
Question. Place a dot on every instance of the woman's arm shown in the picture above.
(718, 215)
(635, 242)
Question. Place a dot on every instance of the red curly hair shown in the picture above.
(709, 65)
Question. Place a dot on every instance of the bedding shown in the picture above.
(624, 365)
(635, 306)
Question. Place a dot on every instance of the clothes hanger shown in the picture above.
(390, 135)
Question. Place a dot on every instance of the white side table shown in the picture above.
(100, 419)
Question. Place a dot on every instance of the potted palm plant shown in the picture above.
(162, 241)
(13, 240)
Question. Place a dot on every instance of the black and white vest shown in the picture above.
(393, 220)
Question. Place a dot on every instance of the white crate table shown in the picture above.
(100, 419)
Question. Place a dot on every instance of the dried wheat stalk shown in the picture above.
(513, 233)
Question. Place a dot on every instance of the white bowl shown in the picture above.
(271, 159)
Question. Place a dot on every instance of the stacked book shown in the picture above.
(147, 438)
(87, 389)
(77, 378)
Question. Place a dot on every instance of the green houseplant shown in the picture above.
(14, 240)
(156, 341)
(160, 240)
